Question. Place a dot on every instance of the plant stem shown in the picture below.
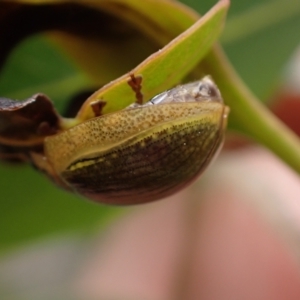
(248, 114)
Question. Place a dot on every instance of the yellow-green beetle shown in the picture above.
(144, 152)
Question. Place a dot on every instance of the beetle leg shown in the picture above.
(97, 107)
(135, 82)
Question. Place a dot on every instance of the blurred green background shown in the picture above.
(259, 38)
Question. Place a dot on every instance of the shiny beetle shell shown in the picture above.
(144, 152)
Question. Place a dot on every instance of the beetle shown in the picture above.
(144, 152)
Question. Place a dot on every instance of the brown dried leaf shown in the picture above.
(26, 123)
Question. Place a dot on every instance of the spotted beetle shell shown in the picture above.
(145, 152)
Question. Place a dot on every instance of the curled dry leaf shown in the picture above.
(25, 124)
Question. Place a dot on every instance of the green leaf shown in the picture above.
(181, 55)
